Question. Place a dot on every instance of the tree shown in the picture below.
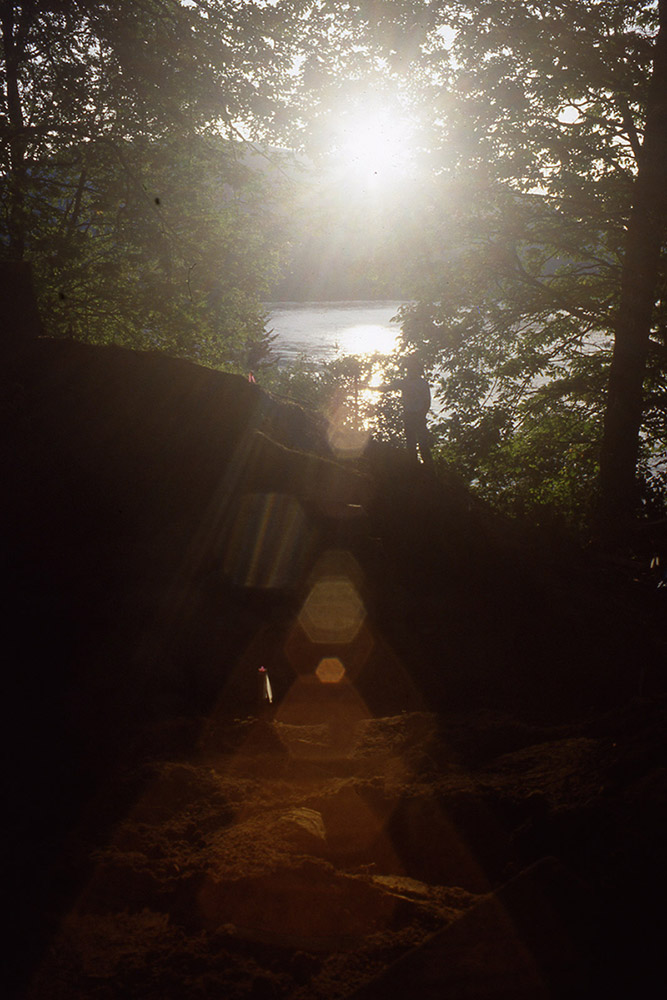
(547, 123)
(124, 169)
(640, 281)
(169, 250)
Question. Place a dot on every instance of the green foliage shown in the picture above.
(124, 176)
(543, 471)
(164, 248)
(347, 392)
(538, 112)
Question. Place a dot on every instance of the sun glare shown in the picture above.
(373, 147)
(368, 338)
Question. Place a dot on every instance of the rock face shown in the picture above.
(21, 322)
(533, 937)
(452, 703)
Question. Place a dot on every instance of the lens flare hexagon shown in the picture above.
(346, 442)
(333, 611)
(330, 670)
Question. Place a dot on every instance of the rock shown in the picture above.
(304, 966)
(524, 942)
(263, 988)
(309, 905)
(20, 317)
(304, 828)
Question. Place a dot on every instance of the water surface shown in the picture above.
(322, 331)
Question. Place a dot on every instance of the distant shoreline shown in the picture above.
(334, 303)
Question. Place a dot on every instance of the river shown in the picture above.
(321, 331)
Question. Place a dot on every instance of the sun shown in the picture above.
(372, 147)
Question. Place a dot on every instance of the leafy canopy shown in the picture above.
(126, 174)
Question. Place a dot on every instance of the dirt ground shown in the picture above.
(279, 858)
(459, 787)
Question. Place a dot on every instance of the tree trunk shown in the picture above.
(12, 48)
(646, 229)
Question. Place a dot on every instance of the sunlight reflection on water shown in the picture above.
(322, 331)
(368, 339)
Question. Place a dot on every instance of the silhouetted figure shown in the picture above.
(416, 399)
